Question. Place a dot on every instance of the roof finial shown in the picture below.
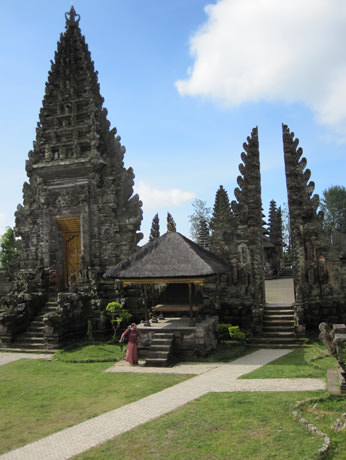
(72, 17)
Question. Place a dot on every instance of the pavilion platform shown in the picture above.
(198, 338)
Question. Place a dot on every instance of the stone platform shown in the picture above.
(197, 338)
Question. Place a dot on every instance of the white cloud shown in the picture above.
(253, 50)
(154, 198)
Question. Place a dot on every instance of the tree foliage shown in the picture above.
(118, 315)
(200, 218)
(155, 228)
(171, 226)
(8, 249)
(333, 204)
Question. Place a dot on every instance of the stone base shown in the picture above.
(196, 339)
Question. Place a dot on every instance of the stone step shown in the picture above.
(278, 335)
(156, 362)
(163, 335)
(29, 339)
(30, 334)
(157, 354)
(278, 317)
(160, 350)
(162, 342)
(30, 346)
(278, 328)
(278, 311)
(276, 324)
(164, 347)
(275, 306)
(277, 340)
(36, 323)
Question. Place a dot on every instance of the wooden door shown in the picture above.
(70, 227)
(71, 256)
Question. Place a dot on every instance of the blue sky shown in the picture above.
(184, 82)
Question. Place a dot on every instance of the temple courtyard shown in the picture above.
(209, 377)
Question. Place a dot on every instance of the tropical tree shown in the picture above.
(118, 315)
(171, 226)
(200, 218)
(221, 221)
(155, 228)
(8, 248)
(333, 204)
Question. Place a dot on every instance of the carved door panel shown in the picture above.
(71, 238)
(71, 256)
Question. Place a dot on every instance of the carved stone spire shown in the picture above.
(73, 125)
(248, 211)
(305, 222)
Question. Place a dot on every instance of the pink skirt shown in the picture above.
(131, 353)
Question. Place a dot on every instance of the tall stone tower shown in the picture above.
(79, 214)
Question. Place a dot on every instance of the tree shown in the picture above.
(171, 227)
(221, 222)
(155, 228)
(333, 204)
(201, 214)
(275, 224)
(118, 315)
(8, 249)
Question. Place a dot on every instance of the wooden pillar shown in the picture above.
(146, 315)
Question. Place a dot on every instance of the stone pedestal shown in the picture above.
(199, 339)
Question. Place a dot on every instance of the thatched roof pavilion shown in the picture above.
(170, 258)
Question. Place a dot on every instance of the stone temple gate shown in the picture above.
(79, 214)
(80, 217)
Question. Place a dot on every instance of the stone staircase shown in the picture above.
(160, 352)
(286, 271)
(278, 327)
(33, 339)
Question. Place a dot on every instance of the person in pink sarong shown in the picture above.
(132, 345)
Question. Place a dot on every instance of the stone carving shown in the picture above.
(326, 336)
(237, 235)
(74, 155)
(319, 285)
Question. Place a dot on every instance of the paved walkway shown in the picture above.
(6, 358)
(210, 378)
(279, 291)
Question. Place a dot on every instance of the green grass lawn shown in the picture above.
(38, 397)
(227, 426)
(307, 362)
(97, 352)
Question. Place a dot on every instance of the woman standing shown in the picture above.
(132, 345)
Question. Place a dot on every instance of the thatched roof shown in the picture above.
(172, 255)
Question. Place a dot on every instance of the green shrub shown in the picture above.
(8, 249)
(118, 315)
(227, 332)
(235, 333)
(223, 333)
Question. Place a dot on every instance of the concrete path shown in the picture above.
(6, 358)
(279, 291)
(210, 378)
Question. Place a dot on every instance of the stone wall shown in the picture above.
(4, 283)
